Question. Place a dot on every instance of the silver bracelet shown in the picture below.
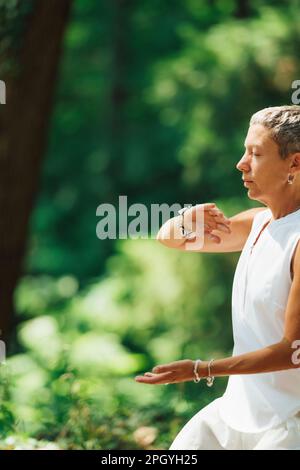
(184, 233)
(197, 378)
(209, 379)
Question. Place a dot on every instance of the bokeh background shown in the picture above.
(145, 98)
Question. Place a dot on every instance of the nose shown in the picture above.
(243, 164)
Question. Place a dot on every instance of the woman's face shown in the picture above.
(262, 165)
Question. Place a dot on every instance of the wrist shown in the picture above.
(189, 216)
(185, 223)
(177, 231)
(203, 369)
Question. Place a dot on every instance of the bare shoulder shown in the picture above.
(240, 226)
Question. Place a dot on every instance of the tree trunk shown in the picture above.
(24, 122)
(243, 9)
(119, 95)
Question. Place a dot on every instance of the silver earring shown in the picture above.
(290, 179)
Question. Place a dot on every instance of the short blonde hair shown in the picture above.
(284, 124)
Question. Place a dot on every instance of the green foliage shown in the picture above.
(7, 418)
(74, 381)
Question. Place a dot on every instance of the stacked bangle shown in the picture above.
(184, 233)
(209, 378)
(197, 378)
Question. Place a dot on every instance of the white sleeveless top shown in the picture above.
(262, 281)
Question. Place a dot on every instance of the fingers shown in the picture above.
(206, 206)
(155, 379)
(219, 214)
(211, 213)
(223, 227)
(221, 224)
(174, 372)
(222, 219)
(217, 221)
(214, 238)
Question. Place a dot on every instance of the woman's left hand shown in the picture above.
(174, 372)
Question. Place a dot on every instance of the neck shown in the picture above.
(284, 205)
(284, 209)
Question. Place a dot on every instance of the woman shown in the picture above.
(260, 408)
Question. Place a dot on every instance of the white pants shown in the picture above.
(207, 431)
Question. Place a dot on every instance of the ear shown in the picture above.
(295, 162)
